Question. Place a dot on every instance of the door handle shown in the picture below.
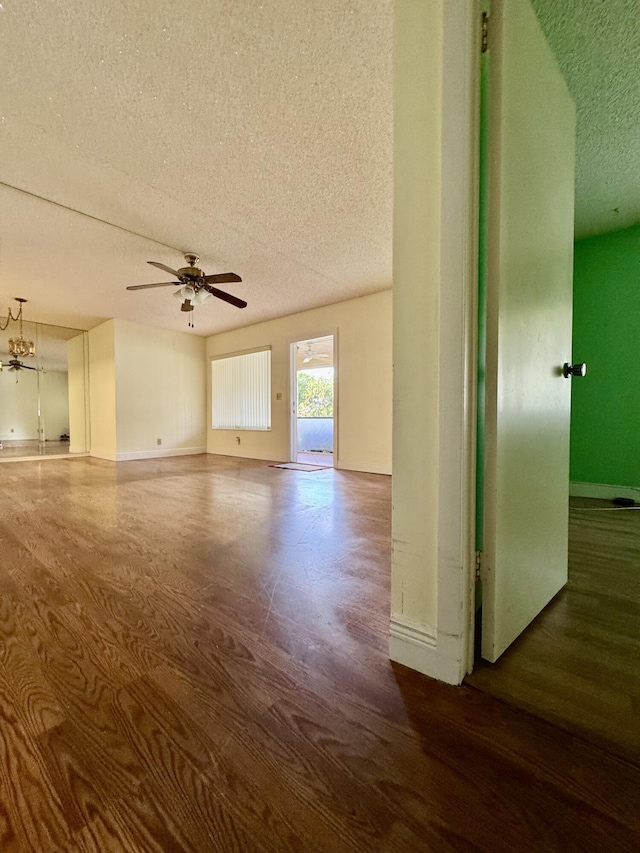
(574, 369)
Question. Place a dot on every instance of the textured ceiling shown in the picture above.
(597, 45)
(256, 134)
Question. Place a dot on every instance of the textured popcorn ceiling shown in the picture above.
(597, 45)
(257, 134)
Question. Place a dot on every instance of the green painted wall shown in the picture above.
(605, 416)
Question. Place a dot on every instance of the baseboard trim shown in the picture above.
(416, 646)
(603, 491)
(44, 457)
(362, 467)
(155, 454)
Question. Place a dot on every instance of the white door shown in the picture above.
(529, 298)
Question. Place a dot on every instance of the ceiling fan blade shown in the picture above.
(163, 267)
(222, 278)
(159, 284)
(226, 297)
(308, 358)
(26, 367)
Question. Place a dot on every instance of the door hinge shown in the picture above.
(478, 564)
(485, 32)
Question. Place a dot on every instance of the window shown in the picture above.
(241, 391)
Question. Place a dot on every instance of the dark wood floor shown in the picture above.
(193, 657)
(578, 664)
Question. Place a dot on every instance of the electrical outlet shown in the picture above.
(12, 429)
(237, 439)
(158, 441)
(279, 395)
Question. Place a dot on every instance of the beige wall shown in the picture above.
(146, 384)
(78, 393)
(363, 360)
(160, 391)
(102, 394)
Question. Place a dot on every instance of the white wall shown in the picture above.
(54, 404)
(417, 111)
(436, 63)
(363, 361)
(160, 391)
(102, 391)
(18, 405)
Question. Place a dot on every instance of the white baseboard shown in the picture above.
(362, 467)
(603, 491)
(416, 646)
(155, 454)
(97, 454)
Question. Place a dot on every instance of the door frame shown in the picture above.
(293, 391)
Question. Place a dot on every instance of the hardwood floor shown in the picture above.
(314, 458)
(194, 657)
(578, 664)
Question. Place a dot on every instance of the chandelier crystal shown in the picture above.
(19, 346)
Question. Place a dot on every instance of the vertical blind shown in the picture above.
(241, 391)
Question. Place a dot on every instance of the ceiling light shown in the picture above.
(188, 291)
(191, 296)
(201, 296)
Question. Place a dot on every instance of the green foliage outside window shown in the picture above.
(315, 395)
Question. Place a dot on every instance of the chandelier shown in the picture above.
(19, 346)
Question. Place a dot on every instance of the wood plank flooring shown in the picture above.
(578, 664)
(194, 657)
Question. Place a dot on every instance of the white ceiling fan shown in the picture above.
(311, 355)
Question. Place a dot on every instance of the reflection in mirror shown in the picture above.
(43, 398)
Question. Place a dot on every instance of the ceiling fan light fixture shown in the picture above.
(191, 296)
(188, 291)
(196, 286)
(201, 296)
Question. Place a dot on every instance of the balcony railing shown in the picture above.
(315, 434)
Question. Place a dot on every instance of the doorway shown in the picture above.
(313, 414)
(575, 662)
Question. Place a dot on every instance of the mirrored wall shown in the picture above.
(44, 397)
